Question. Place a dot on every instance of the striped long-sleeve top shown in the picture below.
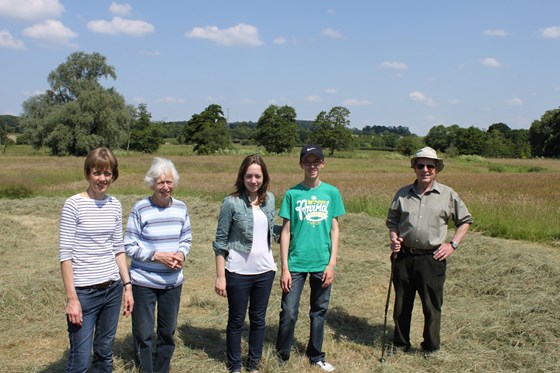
(151, 228)
(91, 236)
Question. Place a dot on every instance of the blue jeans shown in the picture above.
(100, 313)
(143, 320)
(243, 291)
(319, 303)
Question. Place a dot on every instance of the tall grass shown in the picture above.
(508, 198)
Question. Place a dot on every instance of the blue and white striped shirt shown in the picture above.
(91, 236)
(151, 228)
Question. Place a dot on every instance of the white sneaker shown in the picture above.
(326, 367)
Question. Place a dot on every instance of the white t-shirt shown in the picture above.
(260, 259)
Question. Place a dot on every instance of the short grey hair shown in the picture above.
(160, 166)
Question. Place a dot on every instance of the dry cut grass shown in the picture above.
(500, 311)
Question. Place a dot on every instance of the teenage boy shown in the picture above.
(308, 247)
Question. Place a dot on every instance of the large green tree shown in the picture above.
(332, 130)
(77, 113)
(145, 136)
(208, 131)
(408, 145)
(470, 141)
(544, 135)
(276, 129)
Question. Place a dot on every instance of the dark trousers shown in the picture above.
(244, 291)
(143, 320)
(318, 305)
(425, 275)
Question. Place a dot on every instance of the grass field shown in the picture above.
(501, 299)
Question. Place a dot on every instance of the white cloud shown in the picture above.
(422, 98)
(120, 25)
(31, 9)
(120, 9)
(514, 102)
(495, 32)
(393, 65)
(552, 32)
(356, 102)
(8, 41)
(51, 32)
(490, 62)
(280, 40)
(329, 32)
(241, 34)
(313, 98)
(331, 91)
(170, 100)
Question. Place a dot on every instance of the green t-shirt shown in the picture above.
(310, 212)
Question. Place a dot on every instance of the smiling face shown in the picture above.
(312, 165)
(425, 169)
(99, 181)
(163, 188)
(253, 179)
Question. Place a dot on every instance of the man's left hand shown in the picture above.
(443, 251)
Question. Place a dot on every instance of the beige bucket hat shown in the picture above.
(430, 153)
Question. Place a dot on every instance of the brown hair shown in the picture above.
(101, 159)
(240, 182)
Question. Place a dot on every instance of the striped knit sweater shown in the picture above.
(151, 228)
(91, 236)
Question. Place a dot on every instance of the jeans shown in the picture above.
(319, 303)
(243, 290)
(100, 313)
(425, 275)
(143, 319)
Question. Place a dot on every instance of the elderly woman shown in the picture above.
(158, 239)
(93, 266)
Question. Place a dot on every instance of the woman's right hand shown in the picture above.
(74, 311)
(220, 286)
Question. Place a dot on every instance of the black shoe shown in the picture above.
(430, 353)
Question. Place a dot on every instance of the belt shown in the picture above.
(414, 251)
(103, 285)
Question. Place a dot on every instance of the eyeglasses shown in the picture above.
(316, 163)
(420, 166)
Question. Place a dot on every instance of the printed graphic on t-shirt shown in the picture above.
(312, 210)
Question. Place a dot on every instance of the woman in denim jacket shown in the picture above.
(245, 266)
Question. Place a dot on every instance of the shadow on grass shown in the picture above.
(213, 342)
(355, 329)
(122, 349)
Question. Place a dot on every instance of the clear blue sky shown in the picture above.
(409, 63)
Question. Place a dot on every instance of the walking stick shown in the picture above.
(382, 359)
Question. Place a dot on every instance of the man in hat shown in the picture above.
(308, 248)
(417, 220)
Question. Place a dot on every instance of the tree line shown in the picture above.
(77, 114)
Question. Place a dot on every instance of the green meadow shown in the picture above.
(502, 289)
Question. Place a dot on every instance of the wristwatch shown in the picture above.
(454, 245)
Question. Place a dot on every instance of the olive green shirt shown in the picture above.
(422, 220)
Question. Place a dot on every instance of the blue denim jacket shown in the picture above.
(235, 224)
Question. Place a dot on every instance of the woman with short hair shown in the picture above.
(158, 239)
(93, 266)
